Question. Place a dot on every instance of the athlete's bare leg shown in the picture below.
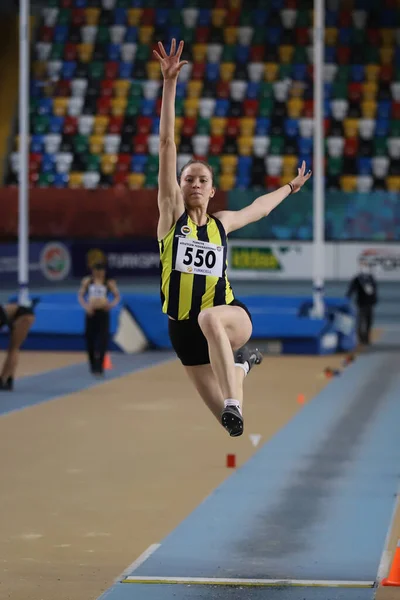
(18, 335)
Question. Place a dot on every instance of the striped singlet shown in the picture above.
(193, 268)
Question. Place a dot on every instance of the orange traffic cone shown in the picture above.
(394, 574)
(107, 364)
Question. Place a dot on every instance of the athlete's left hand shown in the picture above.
(301, 178)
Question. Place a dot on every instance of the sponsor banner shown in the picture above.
(384, 260)
(275, 260)
(138, 257)
(48, 262)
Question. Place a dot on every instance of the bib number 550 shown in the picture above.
(199, 257)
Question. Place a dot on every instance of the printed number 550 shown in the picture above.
(199, 258)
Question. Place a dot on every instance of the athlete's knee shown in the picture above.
(208, 321)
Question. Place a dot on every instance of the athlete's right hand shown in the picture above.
(170, 65)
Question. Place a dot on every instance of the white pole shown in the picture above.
(318, 166)
(23, 229)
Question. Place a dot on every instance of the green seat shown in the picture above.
(53, 3)
(179, 107)
(93, 162)
(103, 35)
(123, 4)
(266, 90)
(339, 90)
(80, 143)
(343, 73)
(64, 16)
(276, 145)
(371, 56)
(151, 180)
(175, 16)
(395, 128)
(215, 163)
(358, 37)
(266, 107)
(228, 54)
(285, 71)
(40, 123)
(303, 18)
(33, 106)
(187, 35)
(335, 165)
(143, 52)
(96, 70)
(380, 148)
(203, 126)
(258, 36)
(136, 90)
(300, 56)
(133, 106)
(152, 165)
(245, 18)
(45, 180)
(57, 51)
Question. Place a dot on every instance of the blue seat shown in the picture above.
(244, 165)
(327, 108)
(204, 17)
(161, 18)
(330, 54)
(384, 109)
(155, 128)
(364, 166)
(212, 71)
(148, 107)
(68, 69)
(180, 3)
(388, 17)
(260, 17)
(181, 87)
(328, 89)
(397, 56)
(307, 159)
(125, 70)
(61, 180)
(60, 33)
(138, 163)
(277, 4)
(330, 18)
(253, 90)
(119, 16)
(37, 143)
(137, 3)
(131, 35)
(358, 73)
(263, 125)
(173, 31)
(273, 35)
(114, 51)
(35, 89)
(291, 127)
(299, 72)
(80, 3)
(305, 146)
(344, 37)
(242, 53)
(382, 127)
(243, 181)
(48, 163)
(45, 106)
(221, 107)
(56, 124)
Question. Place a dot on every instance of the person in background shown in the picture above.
(19, 320)
(93, 297)
(364, 287)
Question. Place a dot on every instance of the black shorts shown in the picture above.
(189, 342)
(20, 312)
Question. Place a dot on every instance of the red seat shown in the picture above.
(327, 125)
(63, 88)
(70, 51)
(33, 178)
(232, 127)
(189, 126)
(103, 105)
(232, 17)
(373, 36)
(343, 55)
(35, 159)
(106, 87)
(272, 182)
(199, 157)
(70, 126)
(355, 91)
(202, 35)
(345, 18)
(120, 179)
(257, 53)
(66, 3)
(198, 70)
(216, 144)
(350, 147)
(115, 124)
(387, 74)
(308, 108)
(302, 36)
(396, 110)
(158, 106)
(111, 69)
(250, 108)
(78, 17)
(140, 143)
(46, 34)
(123, 163)
(147, 16)
(144, 124)
(223, 89)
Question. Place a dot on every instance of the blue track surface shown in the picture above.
(314, 503)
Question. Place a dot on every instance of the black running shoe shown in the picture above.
(252, 357)
(232, 420)
(7, 385)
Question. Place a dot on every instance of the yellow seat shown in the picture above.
(286, 54)
(296, 89)
(350, 128)
(348, 183)
(368, 109)
(85, 52)
(121, 88)
(245, 145)
(39, 69)
(387, 37)
(96, 144)
(230, 36)
(247, 126)
(118, 106)
(387, 54)
(331, 34)
(191, 107)
(227, 71)
(178, 124)
(75, 180)
(235, 4)
(218, 17)
(108, 162)
(146, 33)
(194, 88)
(177, 139)
(288, 173)
(290, 162)
(226, 181)
(295, 107)
(133, 16)
(218, 125)
(92, 16)
(228, 164)
(393, 183)
(153, 70)
(372, 72)
(100, 124)
(199, 52)
(136, 180)
(270, 71)
(60, 106)
(369, 90)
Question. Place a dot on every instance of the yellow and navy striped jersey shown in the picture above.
(193, 268)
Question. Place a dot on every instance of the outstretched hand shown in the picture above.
(170, 65)
(301, 178)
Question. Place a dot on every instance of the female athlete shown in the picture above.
(19, 319)
(208, 326)
(93, 297)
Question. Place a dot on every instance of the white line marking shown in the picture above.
(386, 557)
(139, 561)
(249, 582)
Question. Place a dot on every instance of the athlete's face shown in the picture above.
(196, 185)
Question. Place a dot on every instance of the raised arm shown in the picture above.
(263, 205)
(170, 202)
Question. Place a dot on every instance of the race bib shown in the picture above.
(199, 258)
(368, 289)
